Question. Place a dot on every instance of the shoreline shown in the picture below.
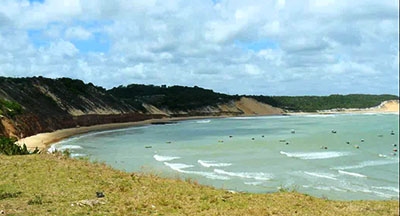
(43, 141)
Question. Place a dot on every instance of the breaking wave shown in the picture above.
(212, 164)
(164, 158)
(315, 155)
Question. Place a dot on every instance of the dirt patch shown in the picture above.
(250, 106)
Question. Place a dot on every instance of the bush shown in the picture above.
(9, 147)
(10, 108)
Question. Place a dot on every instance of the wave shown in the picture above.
(259, 117)
(209, 175)
(319, 115)
(321, 175)
(78, 155)
(203, 121)
(212, 164)
(315, 155)
(352, 174)
(249, 175)
(253, 183)
(64, 147)
(368, 164)
(393, 189)
(164, 158)
(180, 166)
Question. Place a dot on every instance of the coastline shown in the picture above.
(44, 140)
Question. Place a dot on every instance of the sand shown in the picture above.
(44, 140)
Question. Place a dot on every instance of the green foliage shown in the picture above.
(8, 147)
(173, 97)
(314, 103)
(75, 86)
(10, 108)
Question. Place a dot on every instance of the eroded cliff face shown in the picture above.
(50, 104)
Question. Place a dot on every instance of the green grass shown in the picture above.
(53, 185)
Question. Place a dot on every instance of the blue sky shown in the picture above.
(274, 47)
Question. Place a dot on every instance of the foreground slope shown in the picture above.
(55, 185)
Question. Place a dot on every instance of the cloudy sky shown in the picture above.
(268, 47)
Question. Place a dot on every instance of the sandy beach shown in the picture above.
(44, 140)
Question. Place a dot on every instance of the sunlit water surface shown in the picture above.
(262, 154)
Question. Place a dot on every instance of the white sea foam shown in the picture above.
(64, 147)
(253, 183)
(178, 166)
(321, 175)
(368, 164)
(259, 117)
(315, 155)
(203, 121)
(319, 115)
(52, 149)
(77, 155)
(209, 175)
(352, 174)
(164, 158)
(393, 189)
(249, 175)
(212, 164)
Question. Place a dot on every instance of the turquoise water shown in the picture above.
(262, 154)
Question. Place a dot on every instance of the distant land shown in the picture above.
(33, 105)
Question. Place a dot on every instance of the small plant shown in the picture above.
(37, 200)
(8, 191)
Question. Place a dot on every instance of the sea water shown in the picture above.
(338, 156)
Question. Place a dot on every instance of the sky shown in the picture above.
(254, 47)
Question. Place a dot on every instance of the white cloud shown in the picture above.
(335, 46)
(78, 33)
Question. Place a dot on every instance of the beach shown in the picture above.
(44, 140)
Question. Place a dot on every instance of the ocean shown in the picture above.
(337, 156)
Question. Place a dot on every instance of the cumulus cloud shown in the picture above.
(238, 47)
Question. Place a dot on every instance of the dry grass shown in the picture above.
(53, 185)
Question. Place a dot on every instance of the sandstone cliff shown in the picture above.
(34, 105)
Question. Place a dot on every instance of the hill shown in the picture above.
(35, 105)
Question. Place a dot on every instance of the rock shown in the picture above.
(99, 194)
(90, 203)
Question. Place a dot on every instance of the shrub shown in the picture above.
(9, 147)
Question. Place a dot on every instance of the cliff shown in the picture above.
(34, 105)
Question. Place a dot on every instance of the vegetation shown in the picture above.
(314, 103)
(9, 147)
(177, 98)
(10, 108)
(44, 184)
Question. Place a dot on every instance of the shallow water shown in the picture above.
(262, 154)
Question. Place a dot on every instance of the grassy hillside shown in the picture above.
(55, 185)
